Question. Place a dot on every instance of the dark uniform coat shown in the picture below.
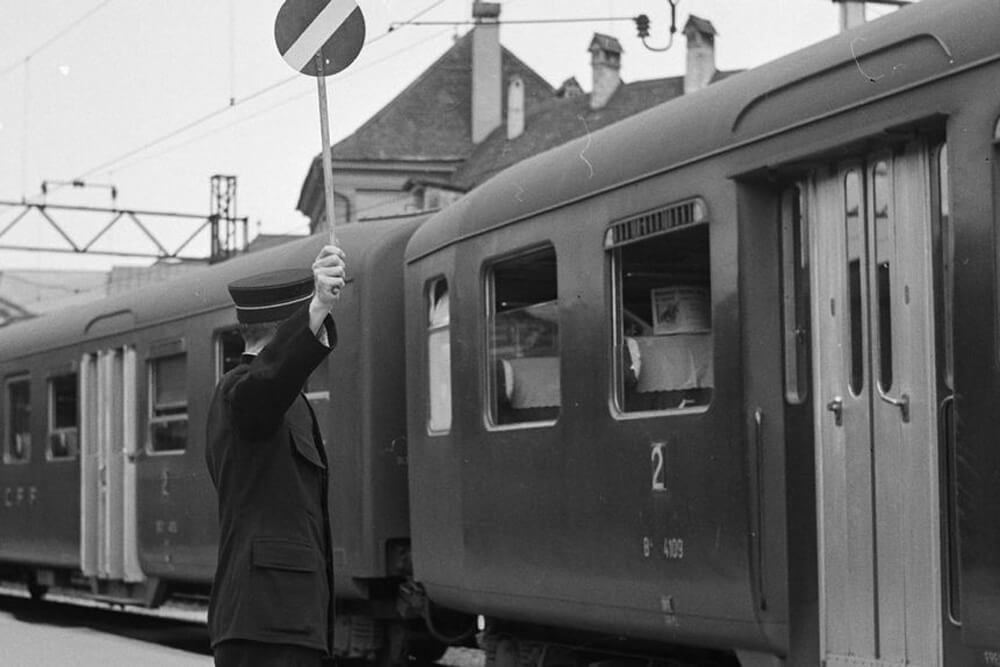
(266, 459)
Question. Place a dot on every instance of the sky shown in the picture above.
(155, 97)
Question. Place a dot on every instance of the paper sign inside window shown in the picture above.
(681, 310)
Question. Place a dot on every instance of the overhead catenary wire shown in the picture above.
(592, 19)
(233, 104)
(31, 54)
(277, 105)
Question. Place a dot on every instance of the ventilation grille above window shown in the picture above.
(654, 223)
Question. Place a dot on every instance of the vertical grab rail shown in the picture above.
(946, 424)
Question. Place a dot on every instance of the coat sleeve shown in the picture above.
(260, 398)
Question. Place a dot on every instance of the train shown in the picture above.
(710, 386)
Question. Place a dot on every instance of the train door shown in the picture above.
(108, 453)
(877, 466)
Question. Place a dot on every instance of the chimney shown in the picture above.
(486, 74)
(700, 35)
(515, 107)
(852, 14)
(605, 63)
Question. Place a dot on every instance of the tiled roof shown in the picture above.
(431, 119)
(563, 120)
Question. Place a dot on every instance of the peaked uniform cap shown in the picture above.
(271, 297)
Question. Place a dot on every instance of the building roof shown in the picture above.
(562, 120)
(431, 120)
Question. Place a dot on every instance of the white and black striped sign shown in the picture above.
(333, 28)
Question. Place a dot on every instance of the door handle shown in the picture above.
(836, 406)
(903, 402)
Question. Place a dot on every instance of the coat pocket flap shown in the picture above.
(284, 555)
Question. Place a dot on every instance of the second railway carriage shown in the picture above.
(723, 375)
(103, 478)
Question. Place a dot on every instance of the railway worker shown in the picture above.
(271, 601)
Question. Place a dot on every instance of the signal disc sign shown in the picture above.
(334, 29)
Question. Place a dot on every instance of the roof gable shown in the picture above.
(431, 118)
(560, 121)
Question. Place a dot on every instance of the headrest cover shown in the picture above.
(271, 297)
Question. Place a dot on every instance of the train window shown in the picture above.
(663, 309)
(524, 339)
(63, 417)
(17, 443)
(438, 357)
(228, 350)
(795, 295)
(884, 251)
(855, 234)
(947, 264)
(168, 418)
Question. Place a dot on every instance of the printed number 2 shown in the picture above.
(657, 458)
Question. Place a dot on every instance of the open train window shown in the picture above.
(523, 350)
(63, 417)
(663, 309)
(438, 357)
(168, 405)
(228, 350)
(17, 413)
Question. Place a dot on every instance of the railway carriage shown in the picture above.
(713, 385)
(103, 478)
(722, 373)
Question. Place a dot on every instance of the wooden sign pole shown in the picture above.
(325, 137)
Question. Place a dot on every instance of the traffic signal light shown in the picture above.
(642, 25)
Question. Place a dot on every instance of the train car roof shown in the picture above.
(913, 44)
(198, 291)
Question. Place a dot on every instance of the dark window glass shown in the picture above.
(524, 339)
(884, 251)
(229, 349)
(63, 417)
(18, 441)
(855, 231)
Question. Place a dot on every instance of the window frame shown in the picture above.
(664, 220)
(430, 330)
(490, 401)
(51, 428)
(153, 420)
(795, 286)
(8, 421)
(217, 349)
